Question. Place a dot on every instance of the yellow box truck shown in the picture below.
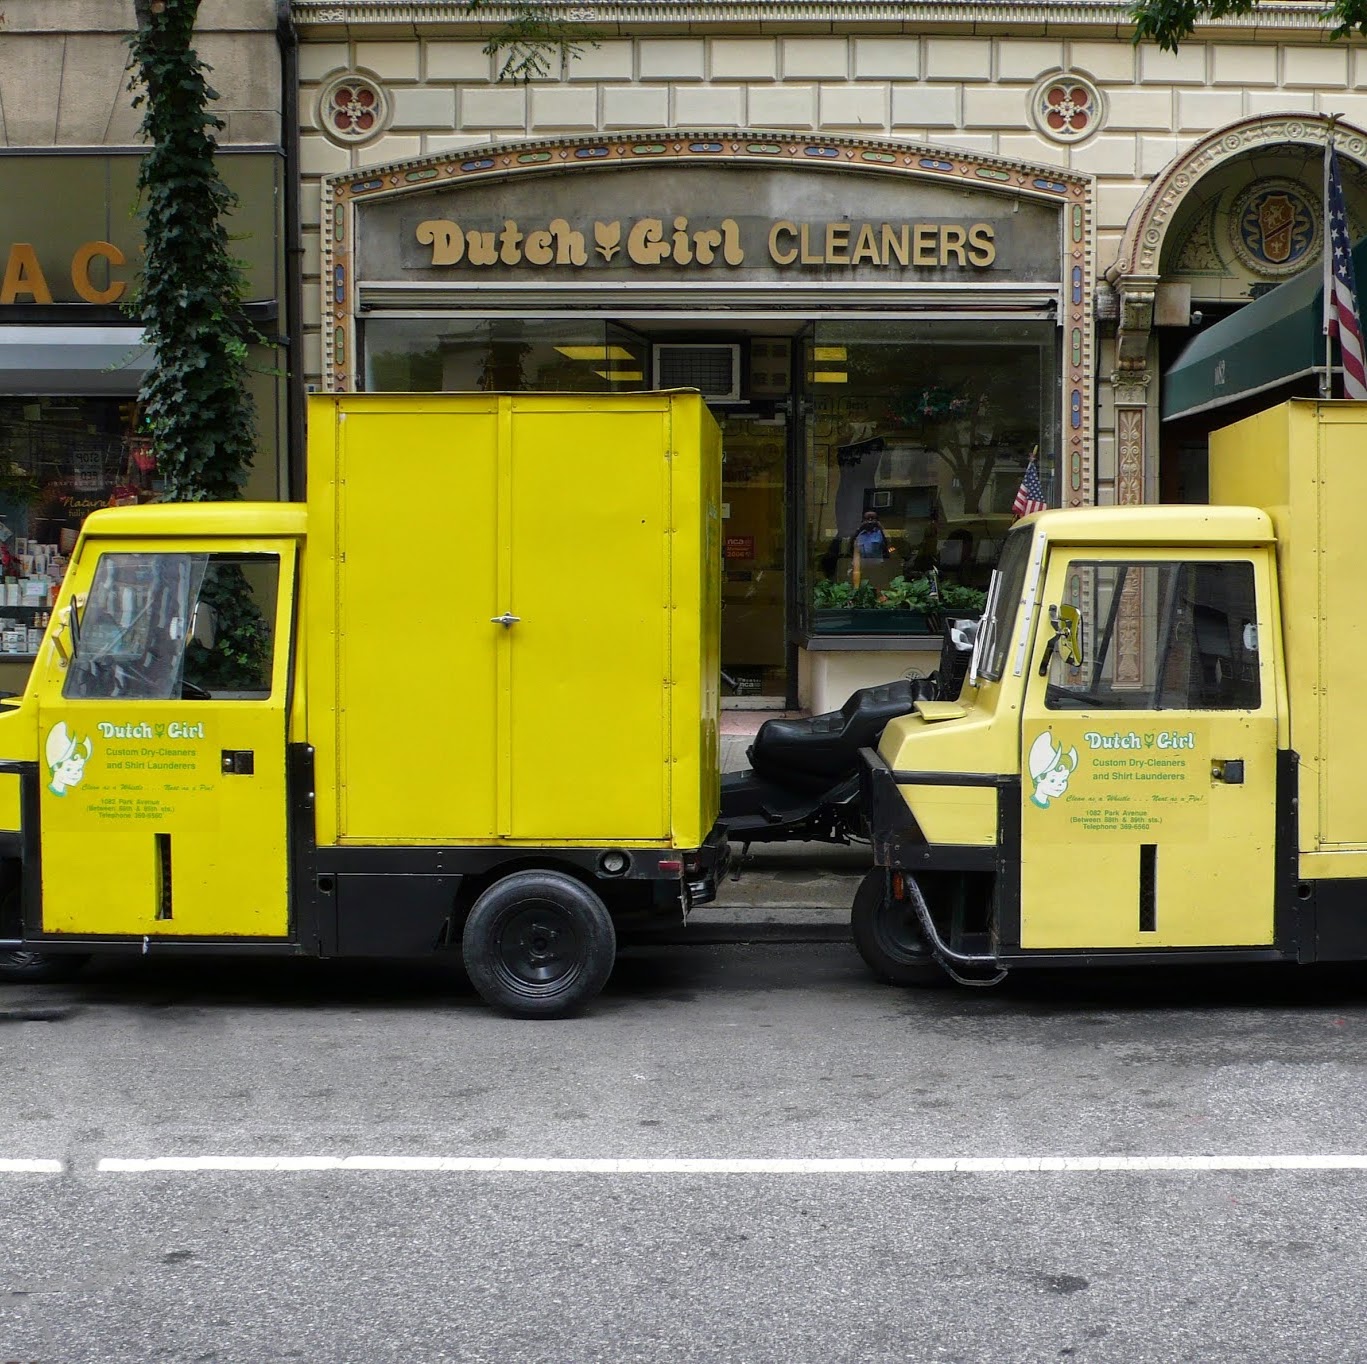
(466, 697)
(1159, 753)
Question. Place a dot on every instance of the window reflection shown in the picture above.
(433, 355)
(920, 435)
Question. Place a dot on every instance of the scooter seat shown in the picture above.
(826, 747)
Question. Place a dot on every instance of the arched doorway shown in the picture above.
(1228, 221)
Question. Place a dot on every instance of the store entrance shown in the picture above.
(754, 633)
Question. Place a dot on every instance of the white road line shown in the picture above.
(913, 1165)
(31, 1167)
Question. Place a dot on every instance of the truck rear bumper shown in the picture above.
(706, 867)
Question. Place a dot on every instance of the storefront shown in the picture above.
(71, 361)
(888, 335)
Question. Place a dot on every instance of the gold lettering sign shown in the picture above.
(25, 282)
(655, 241)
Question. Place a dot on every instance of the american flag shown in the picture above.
(1030, 495)
(1340, 288)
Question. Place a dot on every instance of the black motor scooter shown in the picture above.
(803, 782)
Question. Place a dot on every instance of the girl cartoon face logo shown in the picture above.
(1050, 768)
(66, 758)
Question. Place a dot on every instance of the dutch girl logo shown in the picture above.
(1050, 768)
(66, 758)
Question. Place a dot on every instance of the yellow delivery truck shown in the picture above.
(466, 697)
(1159, 752)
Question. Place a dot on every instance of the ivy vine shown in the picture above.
(188, 298)
(194, 401)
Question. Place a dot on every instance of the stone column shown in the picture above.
(1131, 385)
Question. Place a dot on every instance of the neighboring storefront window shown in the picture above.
(919, 436)
(455, 355)
(60, 459)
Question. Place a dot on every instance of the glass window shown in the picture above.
(919, 437)
(456, 355)
(161, 627)
(1162, 636)
(998, 623)
(60, 459)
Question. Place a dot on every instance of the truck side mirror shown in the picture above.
(68, 632)
(1067, 624)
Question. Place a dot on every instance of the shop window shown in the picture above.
(1161, 636)
(150, 630)
(421, 355)
(60, 459)
(919, 435)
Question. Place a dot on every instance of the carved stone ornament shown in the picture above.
(1136, 325)
(353, 108)
(1131, 387)
(1066, 107)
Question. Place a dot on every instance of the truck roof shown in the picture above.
(1166, 524)
(199, 519)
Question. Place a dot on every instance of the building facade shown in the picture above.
(71, 360)
(916, 255)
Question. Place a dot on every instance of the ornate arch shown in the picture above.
(1134, 273)
(822, 155)
(1141, 246)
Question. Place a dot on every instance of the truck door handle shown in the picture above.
(507, 620)
(1230, 770)
(239, 762)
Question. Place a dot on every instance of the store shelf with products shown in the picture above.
(21, 631)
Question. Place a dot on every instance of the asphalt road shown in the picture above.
(721, 1052)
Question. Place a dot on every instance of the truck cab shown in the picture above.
(1108, 780)
(1157, 752)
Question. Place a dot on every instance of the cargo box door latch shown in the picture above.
(239, 762)
(1229, 770)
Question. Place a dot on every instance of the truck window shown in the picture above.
(1162, 636)
(161, 627)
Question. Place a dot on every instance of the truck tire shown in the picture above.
(40, 968)
(889, 938)
(539, 944)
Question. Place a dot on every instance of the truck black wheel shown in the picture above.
(889, 938)
(539, 944)
(41, 968)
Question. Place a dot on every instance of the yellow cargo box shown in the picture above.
(1305, 464)
(516, 596)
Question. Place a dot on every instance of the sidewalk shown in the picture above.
(792, 891)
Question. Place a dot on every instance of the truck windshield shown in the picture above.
(1009, 581)
(133, 627)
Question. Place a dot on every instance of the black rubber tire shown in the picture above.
(41, 968)
(539, 944)
(889, 938)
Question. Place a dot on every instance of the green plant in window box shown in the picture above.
(907, 594)
(957, 597)
(900, 607)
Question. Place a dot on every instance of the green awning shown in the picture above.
(1272, 341)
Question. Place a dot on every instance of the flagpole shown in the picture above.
(1327, 280)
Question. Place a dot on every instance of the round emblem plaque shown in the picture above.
(1274, 227)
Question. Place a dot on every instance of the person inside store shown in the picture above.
(871, 543)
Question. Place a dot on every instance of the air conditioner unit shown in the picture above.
(712, 369)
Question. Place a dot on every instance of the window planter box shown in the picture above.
(872, 621)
